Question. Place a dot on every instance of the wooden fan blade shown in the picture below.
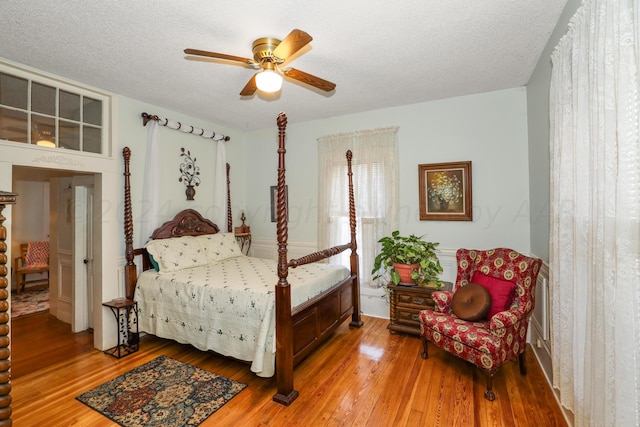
(309, 79)
(250, 88)
(296, 40)
(217, 55)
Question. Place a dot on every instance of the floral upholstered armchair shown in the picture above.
(501, 284)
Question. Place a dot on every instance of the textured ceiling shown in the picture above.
(379, 53)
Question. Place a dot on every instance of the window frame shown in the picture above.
(83, 92)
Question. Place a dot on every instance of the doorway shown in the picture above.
(66, 201)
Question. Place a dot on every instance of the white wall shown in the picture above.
(130, 132)
(33, 212)
(489, 129)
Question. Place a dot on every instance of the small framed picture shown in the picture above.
(445, 191)
(274, 198)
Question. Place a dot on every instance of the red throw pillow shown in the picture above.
(501, 291)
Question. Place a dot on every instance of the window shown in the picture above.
(47, 113)
(375, 170)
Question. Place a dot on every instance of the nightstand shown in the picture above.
(405, 302)
(126, 314)
(244, 241)
(243, 235)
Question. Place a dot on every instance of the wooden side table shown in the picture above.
(405, 302)
(126, 314)
(244, 241)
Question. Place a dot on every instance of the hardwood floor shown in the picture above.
(359, 377)
(40, 340)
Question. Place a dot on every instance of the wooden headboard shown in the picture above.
(186, 223)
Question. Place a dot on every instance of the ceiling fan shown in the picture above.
(270, 55)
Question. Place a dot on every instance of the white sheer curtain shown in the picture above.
(375, 179)
(219, 216)
(595, 214)
(149, 220)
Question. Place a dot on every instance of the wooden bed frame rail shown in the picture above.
(298, 331)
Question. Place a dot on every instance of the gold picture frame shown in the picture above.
(445, 191)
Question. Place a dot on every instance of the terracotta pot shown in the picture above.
(404, 270)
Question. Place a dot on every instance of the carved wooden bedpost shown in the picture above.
(130, 271)
(284, 323)
(229, 216)
(356, 319)
(5, 316)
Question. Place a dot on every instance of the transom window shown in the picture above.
(45, 113)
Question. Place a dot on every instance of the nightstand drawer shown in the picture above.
(414, 300)
(409, 317)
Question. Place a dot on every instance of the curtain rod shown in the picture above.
(172, 124)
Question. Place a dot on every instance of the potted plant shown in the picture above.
(420, 256)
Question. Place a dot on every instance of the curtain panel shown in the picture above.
(149, 216)
(595, 215)
(375, 179)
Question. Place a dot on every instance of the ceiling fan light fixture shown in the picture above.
(270, 54)
(269, 81)
(45, 143)
(46, 139)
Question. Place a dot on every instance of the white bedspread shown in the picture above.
(227, 307)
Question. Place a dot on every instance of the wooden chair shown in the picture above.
(33, 259)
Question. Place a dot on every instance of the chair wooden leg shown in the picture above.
(521, 362)
(19, 283)
(489, 394)
(425, 352)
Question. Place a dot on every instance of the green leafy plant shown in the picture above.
(397, 249)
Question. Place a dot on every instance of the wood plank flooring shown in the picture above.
(359, 377)
(40, 340)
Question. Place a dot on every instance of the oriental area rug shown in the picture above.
(29, 302)
(163, 392)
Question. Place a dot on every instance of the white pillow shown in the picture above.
(177, 253)
(220, 246)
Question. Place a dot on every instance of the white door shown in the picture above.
(82, 310)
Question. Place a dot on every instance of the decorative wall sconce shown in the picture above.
(189, 173)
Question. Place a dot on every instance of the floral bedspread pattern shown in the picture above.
(228, 306)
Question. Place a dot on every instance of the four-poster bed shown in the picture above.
(304, 301)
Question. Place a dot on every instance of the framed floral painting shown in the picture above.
(445, 191)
